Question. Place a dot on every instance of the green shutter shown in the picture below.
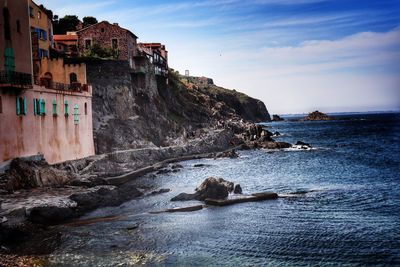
(25, 106)
(9, 62)
(54, 107)
(42, 107)
(34, 107)
(17, 105)
(66, 107)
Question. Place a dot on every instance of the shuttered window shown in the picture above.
(21, 106)
(66, 113)
(76, 115)
(54, 107)
(42, 107)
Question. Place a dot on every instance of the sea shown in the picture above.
(339, 206)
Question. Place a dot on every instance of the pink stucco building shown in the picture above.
(52, 117)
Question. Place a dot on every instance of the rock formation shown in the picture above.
(136, 110)
(317, 116)
(277, 118)
(215, 188)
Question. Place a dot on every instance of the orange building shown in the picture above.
(52, 116)
(66, 44)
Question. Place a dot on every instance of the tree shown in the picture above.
(96, 51)
(66, 24)
(87, 21)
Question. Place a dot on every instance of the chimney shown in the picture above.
(115, 24)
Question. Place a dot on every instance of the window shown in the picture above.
(31, 12)
(7, 30)
(18, 26)
(21, 106)
(36, 106)
(85, 108)
(42, 107)
(88, 43)
(102, 29)
(54, 107)
(39, 15)
(1, 105)
(114, 44)
(73, 78)
(66, 113)
(76, 115)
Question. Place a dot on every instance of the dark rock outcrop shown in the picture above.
(143, 110)
(215, 188)
(32, 172)
(277, 118)
(238, 189)
(317, 116)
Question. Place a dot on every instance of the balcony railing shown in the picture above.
(15, 79)
(63, 86)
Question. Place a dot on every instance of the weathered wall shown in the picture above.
(43, 23)
(103, 33)
(61, 72)
(20, 42)
(56, 137)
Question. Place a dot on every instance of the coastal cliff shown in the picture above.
(136, 110)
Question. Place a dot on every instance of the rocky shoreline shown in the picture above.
(31, 199)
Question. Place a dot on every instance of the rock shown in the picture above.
(276, 118)
(317, 116)
(227, 154)
(32, 172)
(276, 134)
(164, 171)
(184, 197)
(276, 145)
(201, 165)
(161, 191)
(216, 188)
(252, 198)
(132, 227)
(176, 166)
(50, 214)
(302, 144)
(238, 189)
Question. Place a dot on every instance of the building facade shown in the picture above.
(51, 116)
(111, 37)
(66, 44)
(158, 56)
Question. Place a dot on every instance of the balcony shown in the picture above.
(12, 79)
(77, 87)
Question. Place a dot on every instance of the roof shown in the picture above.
(115, 25)
(65, 37)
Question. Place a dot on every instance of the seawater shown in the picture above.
(341, 207)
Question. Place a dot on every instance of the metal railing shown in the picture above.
(13, 78)
(63, 86)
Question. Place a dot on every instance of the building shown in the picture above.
(41, 35)
(111, 37)
(158, 56)
(51, 116)
(66, 44)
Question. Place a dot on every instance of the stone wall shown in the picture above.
(103, 33)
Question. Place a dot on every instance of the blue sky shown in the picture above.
(296, 56)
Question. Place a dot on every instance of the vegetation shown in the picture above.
(96, 51)
(87, 21)
(65, 24)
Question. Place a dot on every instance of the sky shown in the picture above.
(294, 55)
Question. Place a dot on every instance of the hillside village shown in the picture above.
(96, 89)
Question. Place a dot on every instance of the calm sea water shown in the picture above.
(345, 212)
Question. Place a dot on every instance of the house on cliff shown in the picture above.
(157, 55)
(49, 115)
(110, 37)
(66, 44)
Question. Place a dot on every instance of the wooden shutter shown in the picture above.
(17, 105)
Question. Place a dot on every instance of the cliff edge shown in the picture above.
(137, 110)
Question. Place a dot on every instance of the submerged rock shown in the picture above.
(303, 145)
(228, 154)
